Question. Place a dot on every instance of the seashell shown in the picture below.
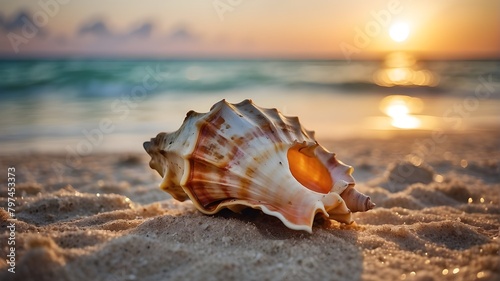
(242, 155)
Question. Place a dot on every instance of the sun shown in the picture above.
(399, 32)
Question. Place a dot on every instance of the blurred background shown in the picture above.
(90, 76)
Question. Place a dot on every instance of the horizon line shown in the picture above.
(5, 57)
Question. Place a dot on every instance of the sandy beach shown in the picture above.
(405, 92)
(106, 219)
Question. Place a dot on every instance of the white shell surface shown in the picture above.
(236, 156)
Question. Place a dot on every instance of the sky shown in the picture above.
(321, 29)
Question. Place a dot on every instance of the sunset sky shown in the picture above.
(249, 29)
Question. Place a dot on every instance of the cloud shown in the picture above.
(21, 20)
(97, 28)
(182, 33)
(96, 37)
(17, 22)
(142, 31)
(179, 34)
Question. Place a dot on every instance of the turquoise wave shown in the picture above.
(82, 78)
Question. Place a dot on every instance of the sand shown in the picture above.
(437, 218)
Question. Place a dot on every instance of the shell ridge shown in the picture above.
(275, 131)
(282, 126)
(294, 122)
(271, 115)
(247, 106)
(287, 125)
(240, 110)
(244, 102)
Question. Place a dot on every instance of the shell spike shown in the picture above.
(309, 149)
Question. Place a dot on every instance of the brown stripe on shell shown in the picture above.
(203, 148)
(208, 185)
(246, 183)
(209, 140)
(196, 183)
(208, 181)
(235, 155)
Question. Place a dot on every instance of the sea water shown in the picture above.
(115, 104)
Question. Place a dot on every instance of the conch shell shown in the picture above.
(242, 155)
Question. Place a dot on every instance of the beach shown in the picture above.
(104, 218)
(88, 206)
(406, 94)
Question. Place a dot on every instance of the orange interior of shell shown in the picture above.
(309, 171)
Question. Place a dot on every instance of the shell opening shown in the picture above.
(308, 170)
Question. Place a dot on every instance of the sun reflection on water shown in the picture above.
(402, 69)
(400, 109)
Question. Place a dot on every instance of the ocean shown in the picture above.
(116, 104)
